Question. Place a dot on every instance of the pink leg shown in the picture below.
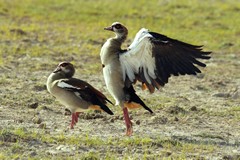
(128, 122)
(74, 119)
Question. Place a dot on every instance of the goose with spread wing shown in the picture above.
(75, 94)
(151, 59)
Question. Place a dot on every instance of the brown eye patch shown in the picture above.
(64, 64)
(118, 26)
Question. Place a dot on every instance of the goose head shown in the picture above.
(66, 69)
(119, 29)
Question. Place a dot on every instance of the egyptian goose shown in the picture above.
(75, 94)
(151, 59)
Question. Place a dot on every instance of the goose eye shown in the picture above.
(64, 64)
(118, 26)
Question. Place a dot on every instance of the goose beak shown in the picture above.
(109, 28)
(57, 70)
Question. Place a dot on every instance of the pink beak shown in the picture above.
(109, 28)
(57, 69)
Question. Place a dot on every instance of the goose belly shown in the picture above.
(114, 81)
(73, 102)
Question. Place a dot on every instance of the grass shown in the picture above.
(76, 27)
(73, 30)
(63, 22)
(112, 145)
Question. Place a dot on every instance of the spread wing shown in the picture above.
(86, 92)
(152, 58)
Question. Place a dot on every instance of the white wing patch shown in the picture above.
(63, 84)
(139, 56)
(142, 33)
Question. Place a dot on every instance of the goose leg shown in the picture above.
(74, 119)
(127, 122)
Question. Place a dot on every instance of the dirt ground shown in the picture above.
(200, 110)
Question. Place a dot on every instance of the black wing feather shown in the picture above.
(88, 93)
(173, 57)
(134, 97)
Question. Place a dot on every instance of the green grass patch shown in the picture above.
(233, 112)
(63, 23)
(112, 146)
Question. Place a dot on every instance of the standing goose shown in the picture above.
(75, 94)
(151, 59)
